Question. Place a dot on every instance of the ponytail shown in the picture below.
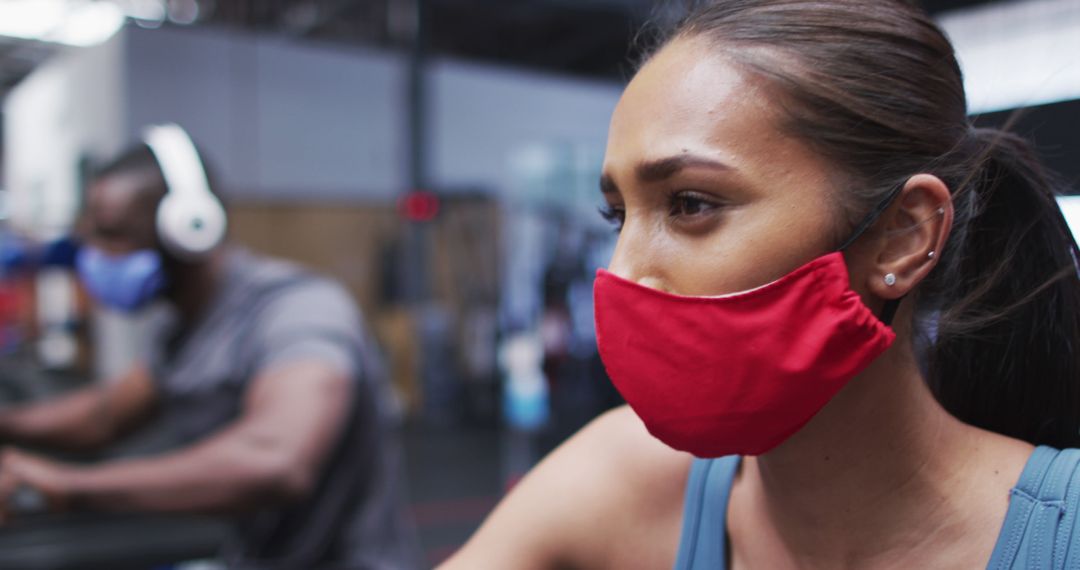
(1006, 298)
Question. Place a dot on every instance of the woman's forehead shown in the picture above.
(691, 98)
(685, 91)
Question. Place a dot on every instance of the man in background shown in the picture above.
(263, 371)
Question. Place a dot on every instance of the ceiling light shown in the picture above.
(69, 22)
(30, 19)
(90, 24)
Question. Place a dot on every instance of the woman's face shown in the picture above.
(712, 197)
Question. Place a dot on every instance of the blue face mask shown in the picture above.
(127, 282)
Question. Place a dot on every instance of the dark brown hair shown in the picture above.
(875, 88)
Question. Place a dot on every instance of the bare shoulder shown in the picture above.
(638, 473)
(610, 497)
(627, 449)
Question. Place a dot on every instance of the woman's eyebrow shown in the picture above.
(664, 168)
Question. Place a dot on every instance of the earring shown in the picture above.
(890, 279)
(931, 255)
(941, 211)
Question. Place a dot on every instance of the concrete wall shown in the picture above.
(276, 119)
(285, 120)
(482, 117)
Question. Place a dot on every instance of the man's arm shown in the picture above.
(271, 454)
(84, 419)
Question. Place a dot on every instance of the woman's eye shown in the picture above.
(691, 205)
(614, 216)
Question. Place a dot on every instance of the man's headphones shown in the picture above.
(191, 221)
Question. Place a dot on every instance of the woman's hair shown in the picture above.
(875, 88)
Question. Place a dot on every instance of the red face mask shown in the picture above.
(739, 373)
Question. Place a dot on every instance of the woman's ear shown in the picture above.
(914, 229)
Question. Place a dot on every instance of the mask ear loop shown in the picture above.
(888, 312)
(872, 217)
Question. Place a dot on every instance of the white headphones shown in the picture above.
(191, 221)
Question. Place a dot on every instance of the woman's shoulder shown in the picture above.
(617, 447)
(621, 436)
(610, 497)
(626, 486)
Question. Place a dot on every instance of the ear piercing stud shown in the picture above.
(931, 255)
(941, 211)
(890, 279)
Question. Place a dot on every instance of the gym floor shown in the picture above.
(457, 476)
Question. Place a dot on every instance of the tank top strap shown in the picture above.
(1048, 517)
(703, 544)
(1038, 527)
(1067, 488)
(1031, 479)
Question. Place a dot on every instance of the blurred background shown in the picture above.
(438, 157)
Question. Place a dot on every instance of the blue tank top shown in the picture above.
(1040, 529)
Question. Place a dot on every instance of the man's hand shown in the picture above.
(30, 476)
(272, 454)
(83, 419)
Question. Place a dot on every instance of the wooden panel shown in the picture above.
(340, 240)
(351, 243)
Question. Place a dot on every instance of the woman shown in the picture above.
(816, 158)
